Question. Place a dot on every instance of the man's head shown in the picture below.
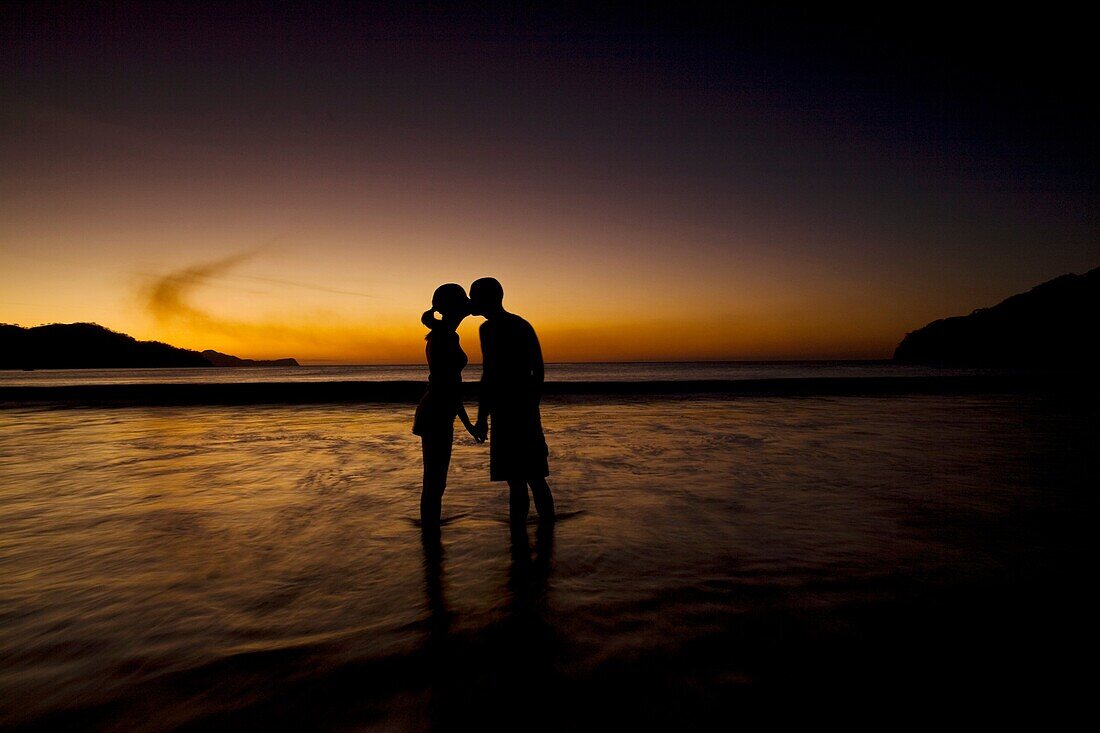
(486, 296)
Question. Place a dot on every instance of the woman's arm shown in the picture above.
(465, 418)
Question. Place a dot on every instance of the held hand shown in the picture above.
(477, 432)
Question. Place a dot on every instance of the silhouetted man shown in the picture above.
(511, 387)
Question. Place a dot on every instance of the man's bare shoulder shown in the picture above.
(521, 323)
(529, 330)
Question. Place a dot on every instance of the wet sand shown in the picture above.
(809, 558)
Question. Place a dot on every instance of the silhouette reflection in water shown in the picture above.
(439, 619)
(504, 675)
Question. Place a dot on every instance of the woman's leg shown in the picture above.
(437, 459)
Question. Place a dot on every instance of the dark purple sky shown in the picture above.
(817, 172)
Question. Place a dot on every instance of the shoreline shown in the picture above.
(409, 392)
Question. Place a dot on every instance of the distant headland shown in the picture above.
(91, 346)
(1052, 324)
(219, 359)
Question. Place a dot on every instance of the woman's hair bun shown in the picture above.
(450, 299)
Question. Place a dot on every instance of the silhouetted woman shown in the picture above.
(435, 415)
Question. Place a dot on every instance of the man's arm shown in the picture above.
(482, 423)
(538, 368)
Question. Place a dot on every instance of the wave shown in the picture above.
(408, 392)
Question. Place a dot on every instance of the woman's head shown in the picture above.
(452, 305)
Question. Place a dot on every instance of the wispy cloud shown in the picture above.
(172, 300)
(169, 296)
(305, 286)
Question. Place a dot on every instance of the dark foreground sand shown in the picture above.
(878, 559)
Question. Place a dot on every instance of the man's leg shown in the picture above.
(544, 500)
(518, 504)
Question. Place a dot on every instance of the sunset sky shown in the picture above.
(647, 183)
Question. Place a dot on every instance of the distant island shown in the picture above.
(91, 346)
(1053, 324)
(218, 359)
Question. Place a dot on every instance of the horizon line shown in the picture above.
(778, 360)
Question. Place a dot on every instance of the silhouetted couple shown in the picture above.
(508, 405)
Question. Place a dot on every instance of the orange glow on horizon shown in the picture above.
(274, 303)
(270, 304)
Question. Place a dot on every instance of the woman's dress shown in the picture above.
(435, 415)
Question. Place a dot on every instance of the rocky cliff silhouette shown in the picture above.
(91, 346)
(1053, 324)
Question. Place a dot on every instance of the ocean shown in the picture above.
(595, 372)
(718, 559)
